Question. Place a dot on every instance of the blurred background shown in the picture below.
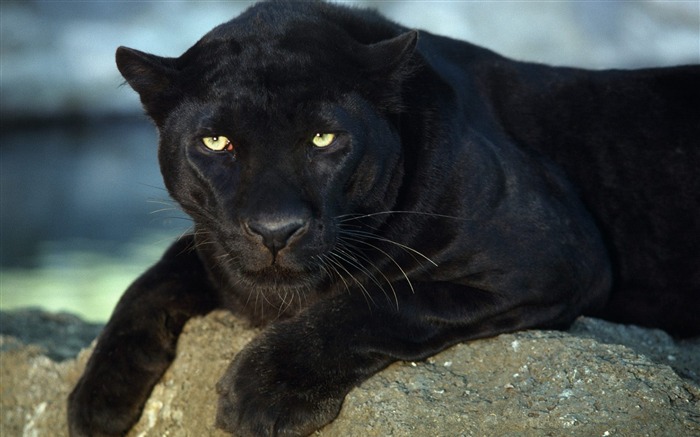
(82, 206)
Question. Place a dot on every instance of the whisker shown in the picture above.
(350, 217)
(326, 262)
(388, 256)
(350, 259)
(371, 236)
(322, 265)
(284, 305)
(158, 211)
(162, 201)
(157, 187)
(348, 250)
(362, 287)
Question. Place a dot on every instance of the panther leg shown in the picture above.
(138, 343)
(292, 379)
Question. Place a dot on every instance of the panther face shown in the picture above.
(268, 159)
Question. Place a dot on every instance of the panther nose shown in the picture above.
(276, 232)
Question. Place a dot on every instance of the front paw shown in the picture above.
(275, 390)
(93, 412)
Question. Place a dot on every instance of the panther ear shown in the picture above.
(152, 77)
(387, 65)
(391, 54)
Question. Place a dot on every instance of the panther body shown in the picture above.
(371, 193)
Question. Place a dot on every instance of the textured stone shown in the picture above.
(61, 335)
(528, 383)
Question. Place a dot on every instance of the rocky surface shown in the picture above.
(60, 335)
(578, 383)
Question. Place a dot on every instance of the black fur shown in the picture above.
(465, 195)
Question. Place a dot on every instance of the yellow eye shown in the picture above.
(323, 139)
(218, 143)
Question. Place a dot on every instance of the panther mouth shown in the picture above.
(275, 292)
(278, 278)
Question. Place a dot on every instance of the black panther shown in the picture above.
(371, 193)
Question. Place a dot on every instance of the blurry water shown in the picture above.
(83, 212)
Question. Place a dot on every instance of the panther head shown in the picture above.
(272, 131)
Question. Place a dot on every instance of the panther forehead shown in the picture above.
(303, 36)
(281, 61)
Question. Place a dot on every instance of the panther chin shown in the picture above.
(276, 292)
(281, 278)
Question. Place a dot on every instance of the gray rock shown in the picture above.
(681, 355)
(529, 383)
(61, 335)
